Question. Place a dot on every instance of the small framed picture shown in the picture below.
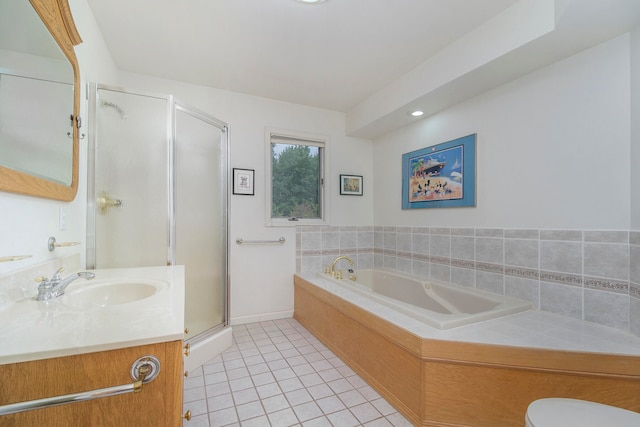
(243, 181)
(351, 185)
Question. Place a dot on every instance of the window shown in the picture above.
(295, 165)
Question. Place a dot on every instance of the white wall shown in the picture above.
(27, 222)
(635, 127)
(553, 152)
(261, 276)
(552, 149)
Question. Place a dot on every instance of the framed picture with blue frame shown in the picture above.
(440, 176)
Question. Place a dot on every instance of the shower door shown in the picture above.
(201, 216)
(157, 195)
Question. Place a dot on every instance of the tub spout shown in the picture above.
(335, 261)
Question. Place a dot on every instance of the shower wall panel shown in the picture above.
(131, 167)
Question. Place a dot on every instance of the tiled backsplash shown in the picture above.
(585, 274)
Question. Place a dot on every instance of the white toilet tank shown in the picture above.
(558, 412)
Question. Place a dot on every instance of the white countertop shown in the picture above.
(33, 330)
(534, 328)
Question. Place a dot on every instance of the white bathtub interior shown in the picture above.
(440, 305)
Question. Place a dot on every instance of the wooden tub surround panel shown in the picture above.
(391, 369)
(449, 383)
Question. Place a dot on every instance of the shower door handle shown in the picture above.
(104, 202)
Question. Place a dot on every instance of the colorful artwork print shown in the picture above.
(351, 185)
(440, 176)
(437, 176)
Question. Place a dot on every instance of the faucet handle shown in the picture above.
(58, 275)
(42, 280)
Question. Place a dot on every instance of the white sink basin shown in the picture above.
(110, 293)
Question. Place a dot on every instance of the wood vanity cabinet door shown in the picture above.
(158, 404)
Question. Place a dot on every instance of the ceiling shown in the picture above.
(372, 59)
(330, 55)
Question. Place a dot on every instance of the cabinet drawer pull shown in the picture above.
(143, 370)
(187, 415)
(187, 349)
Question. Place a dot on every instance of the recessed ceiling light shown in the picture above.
(310, 1)
(417, 113)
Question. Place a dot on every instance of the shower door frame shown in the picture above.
(178, 105)
(173, 105)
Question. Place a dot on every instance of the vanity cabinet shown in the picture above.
(158, 404)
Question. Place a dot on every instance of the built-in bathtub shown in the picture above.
(483, 374)
(440, 305)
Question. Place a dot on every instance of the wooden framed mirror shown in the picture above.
(56, 17)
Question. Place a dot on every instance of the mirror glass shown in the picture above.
(36, 97)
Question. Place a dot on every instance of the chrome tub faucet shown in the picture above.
(54, 287)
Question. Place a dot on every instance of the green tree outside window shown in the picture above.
(295, 174)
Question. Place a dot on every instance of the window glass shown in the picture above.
(296, 172)
(295, 181)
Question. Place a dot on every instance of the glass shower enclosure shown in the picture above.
(157, 195)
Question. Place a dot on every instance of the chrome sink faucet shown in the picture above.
(335, 261)
(54, 287)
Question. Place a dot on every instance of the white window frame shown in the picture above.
(303, 139)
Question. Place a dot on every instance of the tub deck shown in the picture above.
(443, 380)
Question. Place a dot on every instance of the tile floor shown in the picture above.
(278, 374)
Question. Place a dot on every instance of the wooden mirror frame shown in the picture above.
(56, 16)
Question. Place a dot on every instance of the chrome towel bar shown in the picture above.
(143, 370)
(52, 244)
(260, 242)
(14, 258)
